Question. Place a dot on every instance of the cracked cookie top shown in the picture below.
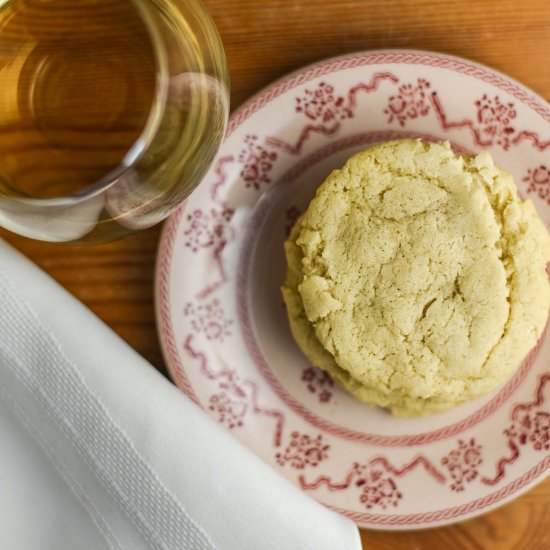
(421, 273)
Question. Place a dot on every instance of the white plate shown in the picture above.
(223, 325)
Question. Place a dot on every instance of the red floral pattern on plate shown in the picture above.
(207, 229)
(323, 105)
(230, 410)
(221, 233)
(257, 162)
(496, 118)
(209, 318)
(327, 110)
(235, 398)
(529, 426)
(538, 180)
(377, 487)
(492, 123)
(462, 463)
(303, 450)
(318, 382)
(375, 479)
(410, 102)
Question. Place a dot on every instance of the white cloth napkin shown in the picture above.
(98, 450)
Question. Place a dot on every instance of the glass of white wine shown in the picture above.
(111, 113)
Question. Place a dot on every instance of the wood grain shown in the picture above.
(264, 40)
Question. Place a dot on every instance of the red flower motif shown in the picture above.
(230, 410)
(303, 450)
(322, 105)
(376, 479)
(205, 229)
(318, 382)
(378, 488)
(531, 427)
(308, 375)
(257, 162)
(539, 182)
(462, 463)
(209, 318)
(410, 102)
(231, 402)
(324, 396)
(495, 118)
(540, 437)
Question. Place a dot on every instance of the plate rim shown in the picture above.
(310, 71)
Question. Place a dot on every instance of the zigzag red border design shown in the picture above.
(219, 170)
(375, 57)
(201, 357)
(296, 148)
(476, 134)
(465, 123)
(451, 512)
(418, 460)
(512, 445)
(534, 138)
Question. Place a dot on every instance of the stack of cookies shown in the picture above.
(417, 277)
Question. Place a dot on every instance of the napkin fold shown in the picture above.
(98, 450)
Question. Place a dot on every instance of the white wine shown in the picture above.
(77, 81)
(113, 110)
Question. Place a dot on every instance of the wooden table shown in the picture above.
(264, 40)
